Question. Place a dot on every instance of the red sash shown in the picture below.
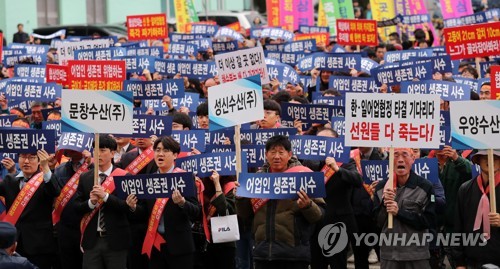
(483, 208)
(67, 193)
(258, 203)
(201, 188)
(141, 161)
(466, 153)
(109, 187)
(23, 198)
(153, 238)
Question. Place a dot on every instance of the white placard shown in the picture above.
(66, 50)
(242, 64)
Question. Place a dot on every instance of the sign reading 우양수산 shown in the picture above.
(389, 120)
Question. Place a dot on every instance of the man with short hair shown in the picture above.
(380, 51)
(123, 146)
(282, 228)
(33, 219)
(485, 91)
(36, 116)
(272, 113)
(54, 115)
(20, 36)
(411, 202)
(181, 121)
(105, 228)
(8, 243)
(202, 115)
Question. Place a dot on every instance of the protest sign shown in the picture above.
(57, 73)
(281, 185)
(192, 69)
(76, 141)
(54, 125)
(330, 62)
(375, 170)
(260, 136)
(306, 29)
(185, 37)
(338, 124)
(226, 32)
(318, 98)
(309, 113)
(189, 139)
(154, 186)
(367, 65)
(204, 29)
(235, 102)
(456, 8)
(6, 120)
(322, 39)
(277, 33)
(495, 82)
(404, 55)
(225, 46)
(295, 46)
(477, 126)
(203, 164)
(357, 32)
(309, 147)
(137, 64)
(26, 140)
(290, 58)
(156, 51)
(476, 18)
(256, 154)
(283, 73)
(96, 75)
(273, 12)
(389, 120)
(203, 43)
(471, 41)
(242, 64)
(182, 49)
(108, 111)
(448, 91)
(146, 126)
(65, 51)
(43, 92)
(396, 73)
(156, 89)
(150, 26)
(353, 84)
(100, 54)
(37, 59)
(29, 70)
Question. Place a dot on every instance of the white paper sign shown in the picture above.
(66, 50)
(392, 120)
(242, 64)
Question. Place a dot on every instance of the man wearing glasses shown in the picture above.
(29, 196)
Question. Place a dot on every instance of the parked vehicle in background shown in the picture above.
(223, 18)
(118, 30)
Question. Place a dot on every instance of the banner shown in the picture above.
(471, 41)
(310, 147)
(146, 126)
(235, 103)
(367, 65)
(137, 64)
(241, 64)
(38, 59)
(188, 68)
(26, 140)
(290, 58)
(473, 83)
(190, 100)
(357, 32)
(100, 54)
(377, 170)
(57, 73)
(338, 124)
(54, 125)
(306, 29)
(256, 154)
(225, 46)
(495, 82)
(76, 141)
(281, 185)
(203, 164)
(392, 120)
(322, 39)
(43, 92)
(476, 18)
(185, 37)
(353, 84)
(96, 75)
(155, 89)
(404, 55)
(441, 64)
(308, 113)
(65, 50)
(229, 33)
(190, 139)
(404, 71)
(331, 62)
(155, 186)
(283, 73)
(204, 29)
(477, 126)
(260, 136)
(383, 10)
(277, 33)
(295, 46)
(97, 111)
(182, 49)
(318, 98)
(6, 120)
(304, 12)
(151, 26)
(273, 12)
(448, 91)
(29, 70)
(455, 9)
(203, 43)
(288, 15)
(156, 52)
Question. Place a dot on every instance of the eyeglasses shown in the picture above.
(31, 158)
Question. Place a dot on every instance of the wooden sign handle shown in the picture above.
(237, 144)
(491, 178)
(96, 159)
(390, 182)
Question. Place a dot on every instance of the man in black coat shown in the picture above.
(20, 36)
(9, 259)
(34, 226)
(107, 236)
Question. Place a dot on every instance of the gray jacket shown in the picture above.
(416, 203)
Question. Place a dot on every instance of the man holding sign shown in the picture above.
(278, 223)
(473, 216)
(412, 205)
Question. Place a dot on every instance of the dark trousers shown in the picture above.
(244, 258)
(102, 257)
(42, 261)
(219, 256)
(69, 248)
(135, 258)
(361, 252)
(281, 265)
(164, 260)
(338, 260)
